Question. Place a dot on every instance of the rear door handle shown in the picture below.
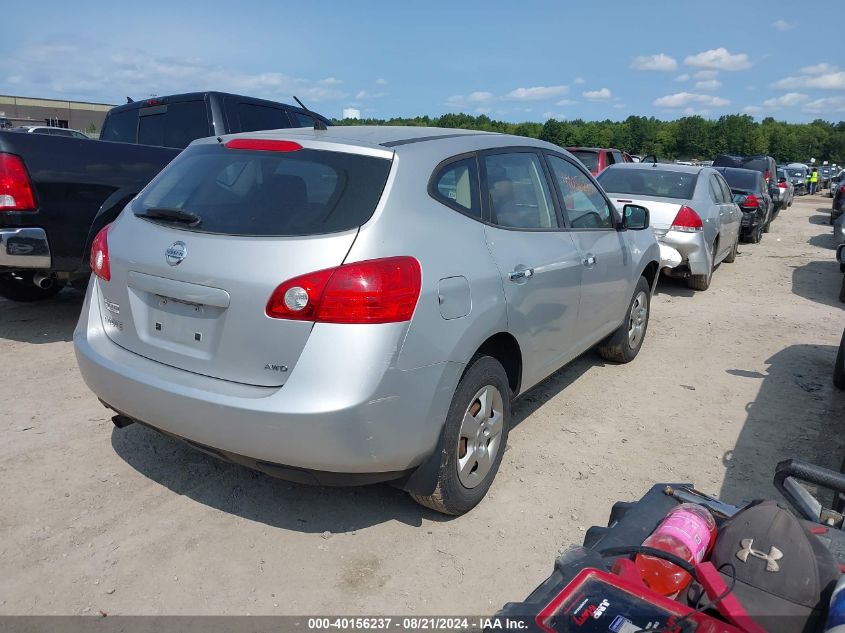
(590, 260)
(522, 273)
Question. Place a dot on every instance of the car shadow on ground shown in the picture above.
(825, 240)
(258, 497)
(314, 509)
(48, 321)
(797, 414)
(818, 281)
(822, 217)
(673, 287)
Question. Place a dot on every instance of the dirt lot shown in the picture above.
(729, 382)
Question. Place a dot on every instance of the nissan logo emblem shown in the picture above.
(175, 253)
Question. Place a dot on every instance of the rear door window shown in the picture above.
(174, 124)
(588, 158)
(254, 117)
(301, 120)
(456, 185)
(715, 190)
(583, 204)
(121, 126)
(518, 192)
(244, 192)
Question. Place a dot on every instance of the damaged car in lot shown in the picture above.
(691, 209)
(355, 305)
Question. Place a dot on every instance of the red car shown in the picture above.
(596, 159)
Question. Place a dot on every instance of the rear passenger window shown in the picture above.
(121, 126)
(726, 190)
(715, 190)
(518, 192)
(301, 120)
(456, 184)
(257, 117)
(174, 125)
(583, 203)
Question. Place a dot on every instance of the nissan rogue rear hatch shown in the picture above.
(206, 243)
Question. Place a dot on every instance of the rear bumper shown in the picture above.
(330, 418)
(692, 248)
(24, 249)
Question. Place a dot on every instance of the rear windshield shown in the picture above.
(243, 192)
(741, 179)
(796, 173)
(590, 159)
(649, 182)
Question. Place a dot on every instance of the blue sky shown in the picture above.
(517, 61)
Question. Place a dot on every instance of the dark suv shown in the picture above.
(766, 165)
(751, 194)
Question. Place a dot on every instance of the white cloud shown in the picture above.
(708, 84)
(537, 93)
(703, 75)
(559, 116)
(753, 110)
(479, 96)
(364, 94)
(683, 99)
(603, 94)
(828, 81)
(659, 62)
(695, 111)
(825, 105)
(381, 82)
(566, 102)
(579, 80)
(110, 77)
(684, 77)
(718, 59)
(786, 101)
(351, 113)
(819, 69)
(483, 110)
(782, 25)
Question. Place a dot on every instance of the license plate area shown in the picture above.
(180, 326)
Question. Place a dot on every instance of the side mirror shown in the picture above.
(840, 253)
(634, 217)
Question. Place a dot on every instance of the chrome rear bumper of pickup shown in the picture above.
(24, 248)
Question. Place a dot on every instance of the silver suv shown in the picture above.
(355, 305)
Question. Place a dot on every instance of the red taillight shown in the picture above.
(687, 220)
(751, 201)
(99, 258)
(842, 189)
(768, 175)
(372, 291)
(783, 185)
(15, 188)
(263, 145)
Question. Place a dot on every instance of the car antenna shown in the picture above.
(318, 124)
(130, 100)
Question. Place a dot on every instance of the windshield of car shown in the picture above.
(248, 192)
(588, 158)
(795, 173)
(649, 182)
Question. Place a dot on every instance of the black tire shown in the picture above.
(19, 287)
(730, 258)
(702, 282)
(617, 347)
(839, 367)
(756, 235)
(842, 291)
(451, 495)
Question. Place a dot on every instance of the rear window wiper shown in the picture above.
(171, 213)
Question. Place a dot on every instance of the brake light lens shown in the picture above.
(687, 220)
(842, 189)
(15, 187)
(751, 201)
(768, 175)
(263, 145)
(99, 258)
(782, 185)
(373, 291)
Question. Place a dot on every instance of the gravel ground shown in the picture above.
(729, 381)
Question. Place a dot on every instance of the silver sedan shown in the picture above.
(692, 212)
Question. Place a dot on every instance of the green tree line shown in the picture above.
(692, 137)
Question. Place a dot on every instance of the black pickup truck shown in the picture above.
(56, 193)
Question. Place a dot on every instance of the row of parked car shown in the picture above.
(355, 305)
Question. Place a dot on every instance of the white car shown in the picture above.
(692, 211)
